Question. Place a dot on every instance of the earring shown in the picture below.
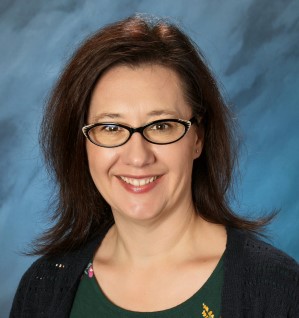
(197, 151)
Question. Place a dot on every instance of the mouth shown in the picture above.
(139, 182)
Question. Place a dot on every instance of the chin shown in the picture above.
(139, 213)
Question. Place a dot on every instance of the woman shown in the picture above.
(141, 145)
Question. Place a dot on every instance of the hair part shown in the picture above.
(80, 212)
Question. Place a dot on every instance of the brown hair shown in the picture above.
(80, 211)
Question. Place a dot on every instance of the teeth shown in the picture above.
(138, 182)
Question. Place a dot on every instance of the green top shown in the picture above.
(91, 302)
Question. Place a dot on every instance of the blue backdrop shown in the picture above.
(251, 45)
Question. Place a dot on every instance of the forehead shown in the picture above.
(141, 90)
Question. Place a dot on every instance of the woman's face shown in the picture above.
(141, 180)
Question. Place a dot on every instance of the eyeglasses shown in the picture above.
(160, 132)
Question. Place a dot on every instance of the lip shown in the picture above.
(148, 183)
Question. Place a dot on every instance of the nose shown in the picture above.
(138, 152)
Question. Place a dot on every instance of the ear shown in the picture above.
(198, 142)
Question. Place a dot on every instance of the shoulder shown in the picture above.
(51, 281)
(265, 273)
(30, 284)
(262, 256)
(42, 269)
(39, 287)
(267, 262)
(66, 262)
(256, 251)
(45, 267)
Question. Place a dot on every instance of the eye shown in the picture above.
(110, 129)
(164, 126)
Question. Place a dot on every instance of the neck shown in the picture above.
(180, 236)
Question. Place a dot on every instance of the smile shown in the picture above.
(138, 182)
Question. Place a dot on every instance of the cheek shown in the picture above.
(99, 160)
(92, 156)
(179, 156)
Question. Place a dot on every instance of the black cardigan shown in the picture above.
(259, 281)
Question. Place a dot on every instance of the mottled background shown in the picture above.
(252, 46)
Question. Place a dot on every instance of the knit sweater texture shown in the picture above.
(259, 281)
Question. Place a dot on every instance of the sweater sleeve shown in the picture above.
(45, 290)
(48, 287)
(272, 281)
(17, 309)
(260, 280)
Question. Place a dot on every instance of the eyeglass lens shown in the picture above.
(110, 135)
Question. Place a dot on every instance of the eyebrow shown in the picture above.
(150, 114)
(105, 115)
(162, 112)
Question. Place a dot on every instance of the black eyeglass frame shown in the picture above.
(186, 123)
